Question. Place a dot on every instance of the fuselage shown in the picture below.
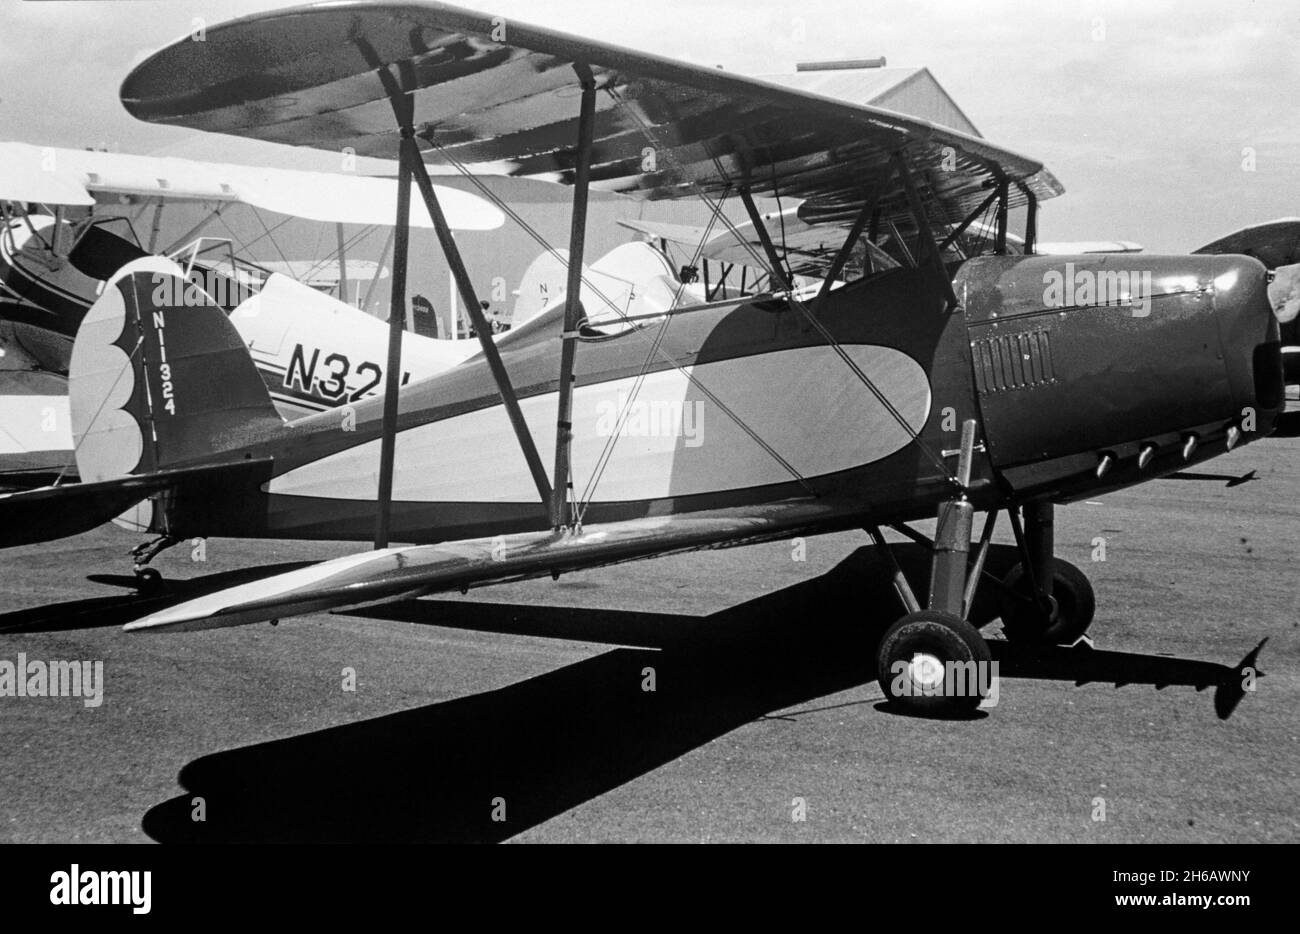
(732, 407)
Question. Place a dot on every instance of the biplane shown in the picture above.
(936, 387)
(1276, 244)
(58, 245)
(62, 234)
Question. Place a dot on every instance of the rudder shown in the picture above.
(159, 376)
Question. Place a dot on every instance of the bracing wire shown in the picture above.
(762, 263)
(607, 452)
(667, 357)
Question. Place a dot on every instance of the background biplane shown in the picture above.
(937, 387)
(1276, 244)
(64, 231)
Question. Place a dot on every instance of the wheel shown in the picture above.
(148, 580)
(933, 663)
(1072, 606)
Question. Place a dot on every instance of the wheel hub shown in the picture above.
(926, 671)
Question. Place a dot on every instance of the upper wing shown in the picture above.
(48, 175)
(398, 573)
(1274, 243)
(27, 175)
(494, 95)
(318, 273)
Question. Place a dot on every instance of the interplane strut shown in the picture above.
(560, 506)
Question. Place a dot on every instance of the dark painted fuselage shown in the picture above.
(771, 413)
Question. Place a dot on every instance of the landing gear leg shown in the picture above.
(933, 661)
(149, 580)
(1046, 600)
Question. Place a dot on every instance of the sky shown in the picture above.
(1169, 123)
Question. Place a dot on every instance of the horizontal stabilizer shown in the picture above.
(57, 511)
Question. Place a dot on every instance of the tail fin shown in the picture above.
(159, 377)
(542, 283)
(621, 278)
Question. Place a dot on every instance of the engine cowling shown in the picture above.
(1097, 371)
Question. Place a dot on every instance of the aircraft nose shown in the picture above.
(1248, 332)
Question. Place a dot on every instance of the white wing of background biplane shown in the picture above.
(23, 178)
(54, 176)
(1016, 244)
(1075, 247)
(491, 94)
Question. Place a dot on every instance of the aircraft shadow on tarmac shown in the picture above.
(552, 742)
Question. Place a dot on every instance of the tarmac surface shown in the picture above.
(521, 712)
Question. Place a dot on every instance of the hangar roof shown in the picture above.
(910, 91)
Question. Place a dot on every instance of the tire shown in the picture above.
(913, 645)
(1074, 604)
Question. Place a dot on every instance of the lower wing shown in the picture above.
(403, 572)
